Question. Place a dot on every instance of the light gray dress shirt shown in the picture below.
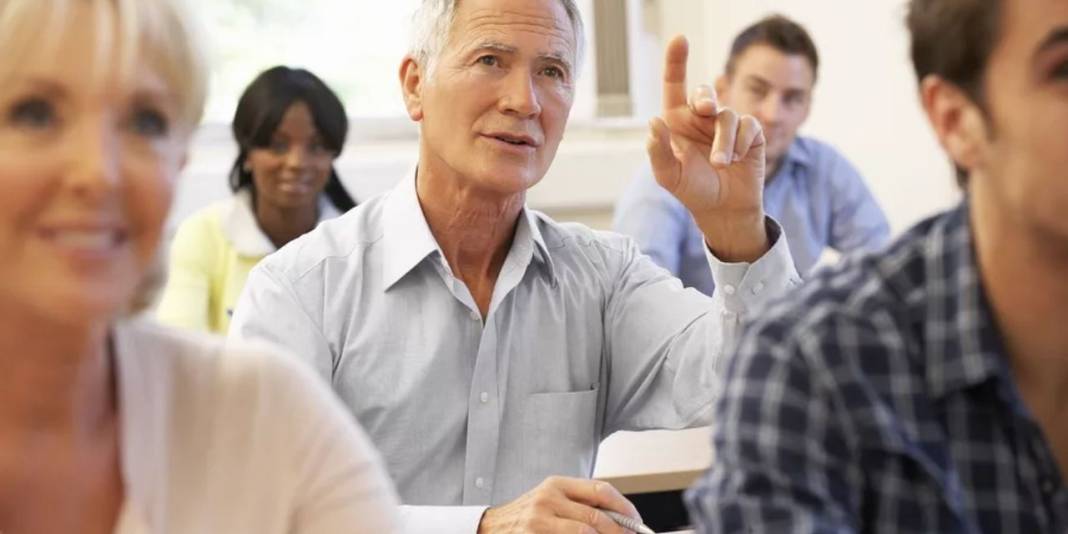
(584, 336)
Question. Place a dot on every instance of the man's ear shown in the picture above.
(411, 79)
(958, 122)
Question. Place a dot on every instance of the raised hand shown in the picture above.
(712, 160)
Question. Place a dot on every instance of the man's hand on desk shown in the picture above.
(560, 505)
(713, 161)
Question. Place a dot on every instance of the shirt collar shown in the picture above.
(408, 241)
(798, 154)
(964, 345)
(796, 157)
(406, 236)
(244, 233)
(529, 230)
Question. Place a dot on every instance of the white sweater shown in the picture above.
(221, 439)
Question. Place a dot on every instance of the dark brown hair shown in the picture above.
(953, 39)
(261, 108)
(780, 33)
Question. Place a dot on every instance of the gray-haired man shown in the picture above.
(486, 348)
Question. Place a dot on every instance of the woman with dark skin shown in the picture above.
(290, 128)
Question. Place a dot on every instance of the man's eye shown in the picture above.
(554, 72)
(1060, 71)
(489, 61)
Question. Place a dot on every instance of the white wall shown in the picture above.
(865, 104)
(866, 101)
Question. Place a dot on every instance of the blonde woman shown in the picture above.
(109, 425)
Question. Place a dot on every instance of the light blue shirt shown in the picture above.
(817, 195)
(584, 336)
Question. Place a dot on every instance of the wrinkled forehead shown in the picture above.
(540, 27)
(95, 43)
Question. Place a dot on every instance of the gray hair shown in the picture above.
(434, 18)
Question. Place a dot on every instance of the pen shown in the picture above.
(630, 524)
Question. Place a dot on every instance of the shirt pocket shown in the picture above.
(564, 430)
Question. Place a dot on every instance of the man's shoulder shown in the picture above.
(572, 238)
(824, 159)
(343, 238)
(856, 336)
(869, 303)
(814, 145)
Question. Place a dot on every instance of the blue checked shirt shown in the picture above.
(879, 399)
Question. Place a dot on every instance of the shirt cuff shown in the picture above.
(743, 286)
(442, 519)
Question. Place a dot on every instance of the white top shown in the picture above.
(237, 216)
(232, 439)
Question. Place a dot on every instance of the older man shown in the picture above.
(486, 348)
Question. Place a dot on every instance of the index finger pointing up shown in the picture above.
(675, 73)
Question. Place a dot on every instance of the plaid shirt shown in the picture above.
(879, 399)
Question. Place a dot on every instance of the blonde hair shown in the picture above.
(159, 32)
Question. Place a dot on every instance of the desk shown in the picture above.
(653, 461)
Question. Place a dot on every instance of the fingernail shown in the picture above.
(721, 158)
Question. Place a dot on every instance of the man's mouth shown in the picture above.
(519, 140)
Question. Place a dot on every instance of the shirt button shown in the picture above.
(758, 288)
(484, 397)
(475, 316)
(729, 289)
(480, 483)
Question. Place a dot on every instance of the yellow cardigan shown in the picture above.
(210, 258)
